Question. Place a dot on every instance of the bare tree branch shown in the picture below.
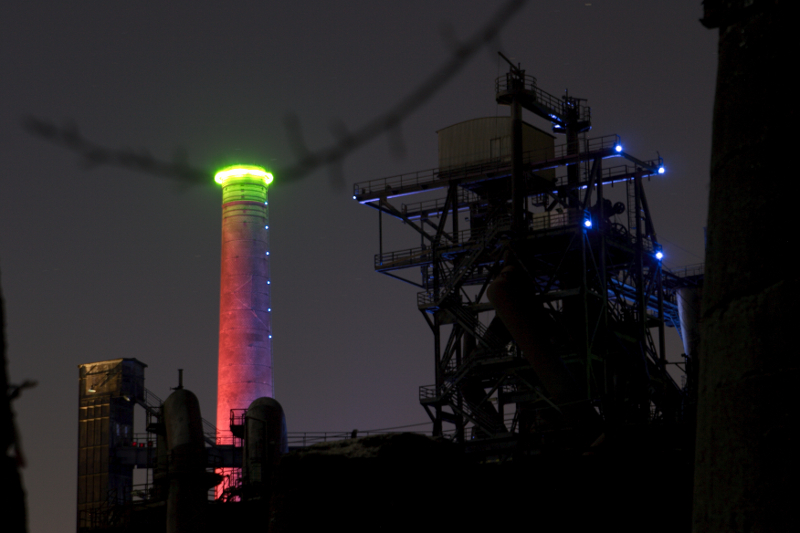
(308, 161)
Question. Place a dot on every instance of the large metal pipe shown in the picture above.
(245, 334)
(265, 440)
(186, 499)
(689, 299)
(513, 298)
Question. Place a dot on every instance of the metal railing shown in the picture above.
(151, 399)
(687, 271)
(427, 392)
(510, 82)
(209, 431)
(436, 176)
(303, 439)
(434, 207)
(470, 237)
(399, 258)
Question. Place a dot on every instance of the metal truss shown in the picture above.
(597, 285)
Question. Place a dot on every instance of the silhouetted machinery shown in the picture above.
(541, 281)
(179, 454)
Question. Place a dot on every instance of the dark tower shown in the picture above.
(108, 391)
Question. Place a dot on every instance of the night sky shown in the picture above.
(107, 262)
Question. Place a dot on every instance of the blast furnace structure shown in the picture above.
(541, 282)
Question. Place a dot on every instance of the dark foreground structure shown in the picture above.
(407, 482)
(746, 457)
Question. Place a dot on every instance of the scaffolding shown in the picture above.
(591, 282)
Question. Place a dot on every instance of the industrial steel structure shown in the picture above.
(107, 393)
(546, 299)
(184, 467)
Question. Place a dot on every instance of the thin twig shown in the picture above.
(345, 143)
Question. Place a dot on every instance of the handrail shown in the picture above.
(687, 271)
(511, 82)
(302, 439)
(409, 257)
(435, 175)
(466, 238)
(465, 196)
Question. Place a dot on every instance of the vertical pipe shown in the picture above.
(517, 194)
(586, 344)
(245, 334)
(454, 192)
(437, 425)
(572, 130)
(641, 304)
(689, 299)
(601, 232)
(662, 348)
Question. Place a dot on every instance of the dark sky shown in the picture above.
(108, 263)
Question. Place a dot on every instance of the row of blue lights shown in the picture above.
(588, 224)
(268, 281)
(269, 309)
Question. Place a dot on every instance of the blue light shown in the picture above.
(269, 282)
(269, 309)
(270, 336)
(354, 197)
(661, 170)
(618, 148)
(266, 227)
(267, 253)
(659, 255)
(587, 223)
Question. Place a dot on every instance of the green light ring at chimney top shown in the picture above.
(243, 171)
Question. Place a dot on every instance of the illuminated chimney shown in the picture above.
(245, 334)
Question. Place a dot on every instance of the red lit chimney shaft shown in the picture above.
(245, 334)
